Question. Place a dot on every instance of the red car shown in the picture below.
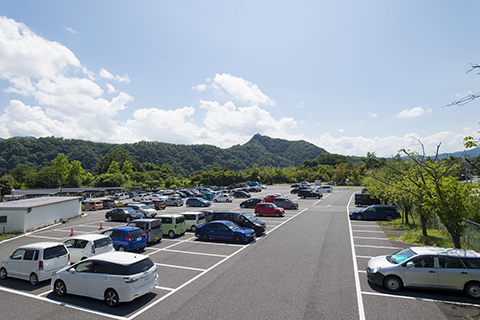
(159, 204)
(270, 197)
(269, 209)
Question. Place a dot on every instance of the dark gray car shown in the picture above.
(152, 228)
(285, 203)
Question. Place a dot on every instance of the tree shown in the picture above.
(75, 174)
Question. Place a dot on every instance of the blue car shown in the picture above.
(376, 212)
(127, 238)
(197, 202)
(224, 230)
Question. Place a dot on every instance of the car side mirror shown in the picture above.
(410, 264)
(72, 271)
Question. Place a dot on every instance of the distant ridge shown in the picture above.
(185, 159)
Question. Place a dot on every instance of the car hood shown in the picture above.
(245, 230)
(380, 261)
(355, 211)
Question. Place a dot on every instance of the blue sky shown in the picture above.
(349, 76)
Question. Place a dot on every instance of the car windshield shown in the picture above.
(249, 217)
(129, 210)
(144, 207)
(274, 205)
(400, 256)
(231, 225)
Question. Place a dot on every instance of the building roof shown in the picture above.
(31, 192)
(34, 202)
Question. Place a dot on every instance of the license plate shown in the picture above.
(138, 239)
(157, 237)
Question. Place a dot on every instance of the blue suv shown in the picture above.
(376, 212)
(127, 238)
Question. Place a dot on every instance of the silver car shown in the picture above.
(428, 267)
(174, 201)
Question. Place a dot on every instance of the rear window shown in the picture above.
(136, 233)
(156, 224)
(180, 220)
(53, 252)
(102, 242)
(167, 220)
(135, 268)
(201, 216)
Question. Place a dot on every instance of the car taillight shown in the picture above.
(128, 238)
(93, 249)
(175, 227)
(69, 257)
(149, 231)
(40, 265)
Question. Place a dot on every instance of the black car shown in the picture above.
(309, 194)
(297, 189)
(243, 219)
(241, 194)
(285, 203)
(250, 203)
(365, 199)
(123, 214)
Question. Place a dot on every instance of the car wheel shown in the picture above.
(3, 274)
(388, 217)
(243, 206)
(202, 205)
(318, 197)
(111, 298)
(193, 228)
(33, 279)
(292, 208)
(359, 217)
(392, 283)
(171, 234)
(204, 237)
(237, 239)
(175, 204)
(128, 219)
(121, 248)
(303, 197)
(188, 204)
(257, 214)
(277, 214)
(472, 289)
(215, 200)
(109, 218)
(60, 288)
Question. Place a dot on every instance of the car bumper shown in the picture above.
(131, 293)
(375, 278)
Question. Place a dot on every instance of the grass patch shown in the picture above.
(392, 238)
(7, 236)
(434, 238)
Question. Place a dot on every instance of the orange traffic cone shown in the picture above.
(71, 232)
(101, 228)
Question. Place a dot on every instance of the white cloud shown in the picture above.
(107, 75)
(71, 30)
(242, 90)
(412, 113)
(110, 88)
(200, 87)
(340, 130)
(373, 115)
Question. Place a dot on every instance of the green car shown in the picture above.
(173, 224)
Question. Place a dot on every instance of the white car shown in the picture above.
(87, 245)
(224, 197)
(113, 277)
(35, 262)
(428, 267)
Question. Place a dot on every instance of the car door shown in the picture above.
(78, 280)
(369, 213)
(29, 263)
(73, 249)
(15, 262)
(421, 272)
(98, 279)
(222, 232)
(452, 273)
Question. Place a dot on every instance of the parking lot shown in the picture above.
(309, 264)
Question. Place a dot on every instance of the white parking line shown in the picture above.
(178, 267)
(379, 247)
(422, 299)
(164, 288)
(361, 310)
(45, 237)
(370, 231)
(370, 238)
(197, 253)
(365, 257)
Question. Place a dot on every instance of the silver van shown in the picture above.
(152, 228)
(194, 220)
(35, 262)
(325, 189)
(429, 268)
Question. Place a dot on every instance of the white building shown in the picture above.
(31, 214)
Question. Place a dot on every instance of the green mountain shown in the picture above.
(185, 159)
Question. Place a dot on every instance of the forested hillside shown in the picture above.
(185, 159)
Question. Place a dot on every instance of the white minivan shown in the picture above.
(87, 245)
(35, 262)
(325, 189)
(194, 220)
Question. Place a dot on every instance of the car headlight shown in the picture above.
(376, 269)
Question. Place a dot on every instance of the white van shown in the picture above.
(35, 262)
(194, 220)
(327, 189)
(87, 245)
